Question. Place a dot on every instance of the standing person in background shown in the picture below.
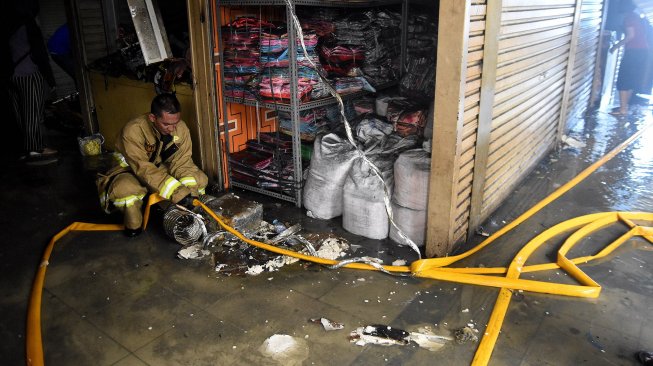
(30, 79)
(61, 51)
(635, 56)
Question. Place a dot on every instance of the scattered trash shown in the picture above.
(465, 310)
(231, 256)
(193, 252)
(425, 338)
(572, 142)
(481, 231)
(399, 262)
(285, 349)
(285, 233)
(465, 334)
(387, 336)
(594, 341)
(379, 334)
(255, 270)
(332, 248)
(327, 324)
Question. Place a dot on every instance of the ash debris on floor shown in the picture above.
(203, 239)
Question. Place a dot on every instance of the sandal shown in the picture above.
(619, 114)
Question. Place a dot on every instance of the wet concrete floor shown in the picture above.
(109, 300)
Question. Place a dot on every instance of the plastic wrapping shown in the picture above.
(382, 105)
(428, 129)
(394, 144)
(364, 105)
(412, 172)
(372, 127)
(90, 145)
(411, 222)
(332, 158)
(364, 210)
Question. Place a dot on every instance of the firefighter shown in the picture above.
(153, 154)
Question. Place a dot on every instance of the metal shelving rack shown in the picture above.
(294, 107)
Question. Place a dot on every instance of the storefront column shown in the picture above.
(201, 44)
(450, 81)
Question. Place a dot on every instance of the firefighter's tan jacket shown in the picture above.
(139, 146)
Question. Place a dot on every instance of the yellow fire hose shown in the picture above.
(430, 268)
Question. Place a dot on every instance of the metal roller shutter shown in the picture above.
(585, 57)
(92, 27)
(646, 6)
(533, 51)
(53, 15)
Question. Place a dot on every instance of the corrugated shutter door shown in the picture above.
(92, 26)
(53, 15)
(470, 122)
(585, 59)
(646, 6)
(534, 43)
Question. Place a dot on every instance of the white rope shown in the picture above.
(350, 137)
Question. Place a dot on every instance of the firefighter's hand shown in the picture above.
(187, 202)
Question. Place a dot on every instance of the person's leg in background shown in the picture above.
(624, 98)
(28, 99)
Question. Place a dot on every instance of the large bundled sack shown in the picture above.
(412, 172)
(363, 198)
(411, 222)
(332, 158)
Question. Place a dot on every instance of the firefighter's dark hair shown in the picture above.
(165, 102)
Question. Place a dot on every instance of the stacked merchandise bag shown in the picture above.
(419, 80)
(409, 202)
(408, 117)
(364, 44)
(241, 56)
(274, 84)
(382, 54)
(343, 54)
(364, 105)
(312, 123)
(265, 163)
(319, 21)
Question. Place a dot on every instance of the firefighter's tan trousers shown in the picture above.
(126, 193)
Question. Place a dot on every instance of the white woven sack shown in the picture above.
(364, 209)
(330, 163)
(412, 172)
(411, 222)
